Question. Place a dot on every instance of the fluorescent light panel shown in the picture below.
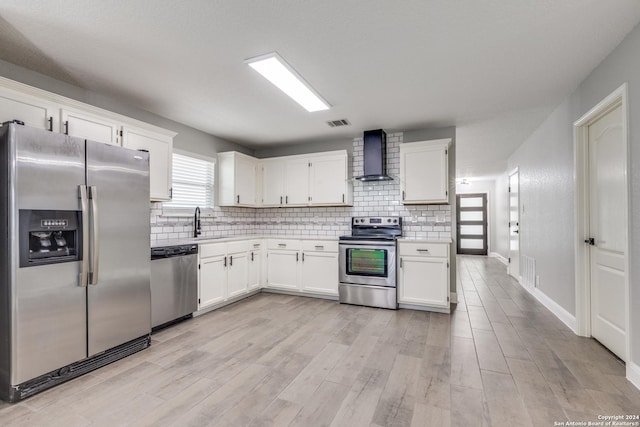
(277, 71)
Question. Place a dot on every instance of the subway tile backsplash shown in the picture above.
(369, 199)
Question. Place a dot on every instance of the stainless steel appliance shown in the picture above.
(174, 283)
(74, 257)
(367, 261)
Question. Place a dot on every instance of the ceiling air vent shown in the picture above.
(336, 123)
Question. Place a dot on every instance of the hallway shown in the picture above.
(543, 369)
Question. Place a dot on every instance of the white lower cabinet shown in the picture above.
(423, 274)
(224, 272)
(303, 266)
(254, 271)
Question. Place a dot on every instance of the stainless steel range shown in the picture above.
(368, 262)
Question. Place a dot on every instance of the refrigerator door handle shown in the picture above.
(95, 249)
(84, 265)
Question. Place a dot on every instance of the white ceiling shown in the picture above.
(494, 68)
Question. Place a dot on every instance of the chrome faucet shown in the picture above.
(196, 223)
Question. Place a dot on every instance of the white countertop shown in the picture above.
(205, 240)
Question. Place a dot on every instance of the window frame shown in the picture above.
(169, 211)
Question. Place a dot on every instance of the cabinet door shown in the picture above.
(424, 173)
(297, 182)
(255, 265)
(89, 126)
(237, 274)
(245, 181)
(328, 180)
(213, 281)
(273, 183)
(30, 110)
(283, 269)
(423, 281)
(320, 272)
(160, 148)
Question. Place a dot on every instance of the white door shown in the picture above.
(423, 280)
(320, 272)
(514, 225)
(283, 269)
(160, 150)
(213, 280)
(245, 181)
(88, 126)
(273, 183)
(32, 111)
(607, 184)
(328, 184)
(297, 182)
(237, 274)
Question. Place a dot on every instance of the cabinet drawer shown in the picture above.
(235, 247)
(319, 246)
(440, 250)
(212, 249)
(284, 244)
(255, 245)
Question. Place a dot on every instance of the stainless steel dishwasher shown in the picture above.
(174, 283)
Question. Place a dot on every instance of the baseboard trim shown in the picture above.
(562, 314)
(633, 374)
(498, 257)
(453, 296)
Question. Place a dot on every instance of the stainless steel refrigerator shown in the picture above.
(74, 257)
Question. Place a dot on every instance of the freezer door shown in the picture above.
(118, 296)
(48, 304)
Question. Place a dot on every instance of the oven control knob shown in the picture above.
(389, 220)
(395, 221)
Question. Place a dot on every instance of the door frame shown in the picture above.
(485, 223)
(513, 171)
(618, 97)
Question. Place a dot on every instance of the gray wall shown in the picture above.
(547, 187)
(305, 148)
(188, 138)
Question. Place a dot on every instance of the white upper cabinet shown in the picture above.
(296, 182)
(40, 109)
(424, 172)
(160, 148)
(273, 174)
(318, 179)
(90, 126)
(329, 182)
(237, 179)
(28, 109)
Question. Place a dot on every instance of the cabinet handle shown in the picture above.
(302, 256)
(319, 247)
(297, 254)
(238, 199)
(171, 193)
(66, 127)
(400, 262)
(230, 260)
(252, 256)
(256, 245)
(422, 250)
(402, 194)
(50, 123)
(225, 262)
(286, 200)
(280, 199)
(343, 198)
(282, 245)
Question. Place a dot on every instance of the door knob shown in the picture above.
(591, 241)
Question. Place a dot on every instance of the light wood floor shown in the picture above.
(501, 359)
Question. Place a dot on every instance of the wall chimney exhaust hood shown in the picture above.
(375, 156)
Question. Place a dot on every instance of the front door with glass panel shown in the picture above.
(472, 224)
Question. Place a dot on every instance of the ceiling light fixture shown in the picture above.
(277, 71)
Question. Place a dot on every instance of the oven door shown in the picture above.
(368, 263)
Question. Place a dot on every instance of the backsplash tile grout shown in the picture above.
(369, 199)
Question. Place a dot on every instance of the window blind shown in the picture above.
(192, 182)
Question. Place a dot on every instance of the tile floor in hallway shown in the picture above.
(500, 359)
